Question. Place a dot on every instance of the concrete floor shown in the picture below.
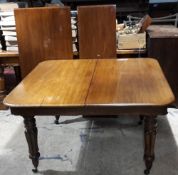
(88, 147)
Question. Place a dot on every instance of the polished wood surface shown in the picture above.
(8, 54)
(129, 82)
(97, 31)
(107, 82)
(43, 33)
(54, 83)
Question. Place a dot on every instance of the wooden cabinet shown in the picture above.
(8, 59)
(162, 44)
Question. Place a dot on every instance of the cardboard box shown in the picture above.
(131, 41)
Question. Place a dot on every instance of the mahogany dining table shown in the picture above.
(93, 87)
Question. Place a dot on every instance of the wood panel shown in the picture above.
(162, 45)
(97, 31)
(43, 33)
(8, 54)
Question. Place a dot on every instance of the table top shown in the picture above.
(162, 31)
(93, 84)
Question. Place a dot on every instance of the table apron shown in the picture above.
(90, 110)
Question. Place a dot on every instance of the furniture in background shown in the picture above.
(11, 59)
(162, 44)
(135, 86)
(43, 33)
(8, 59)
(97, 31)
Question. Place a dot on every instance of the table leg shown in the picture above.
(150, 136)
(141, 119)
(56, 121)
(31, 133)
(17, 74)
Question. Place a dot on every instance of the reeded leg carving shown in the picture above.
(31, 133)
(141, 119)
(56, 121)
(150, 136)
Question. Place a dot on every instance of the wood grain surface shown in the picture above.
(54, 83)
(8, 54)
(107, 82)
(129, 82)
(43, 33)
(97, 31)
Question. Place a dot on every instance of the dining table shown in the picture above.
(94, 87)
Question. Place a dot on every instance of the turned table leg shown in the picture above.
(141, 119)
(31, 133)
(56, 121)
(150, 136)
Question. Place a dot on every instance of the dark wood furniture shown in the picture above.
(43, 33)
(97, 28)
(7, 59)
(162, 44)
(87, 87)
